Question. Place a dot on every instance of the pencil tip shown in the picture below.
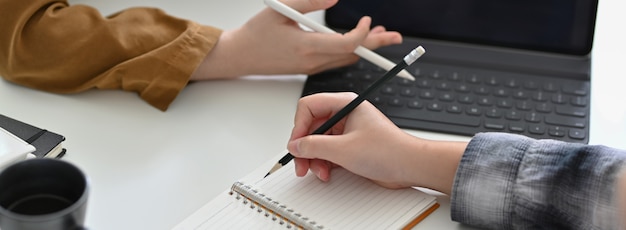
(276, 167)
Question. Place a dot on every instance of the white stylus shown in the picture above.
(361, 51)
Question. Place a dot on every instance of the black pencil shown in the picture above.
(408, 60)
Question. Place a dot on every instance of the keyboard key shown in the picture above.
(543, 107)
(536, 129)
(493, 81)
(485, 101)
(540, 96)
(517, 127)
(462, 88)
(531, 85)
(576, 90)
(436, 75)
(388, 90)
(474, 79)
(396, 102)
(423, 83)
(511, 83)
(493, 113)
(376, 100)
(414, 104)
(466, 99)
(520, 94)
(418, 72)
(501, 93)
(446, 96)
(566, 121)
(550, 87)
(482, 90)
(404, 81)
(369, 77)
(407, 92)
(443, 86)
(559, 98)
(577, 134)
(533, 117)
(523, 105)
(427, 94)
(513, 115)
(455, 76)
(569, 111)
(474, 111)
(495, 125)
(504, 103)
(434, 106)
(455, 109)
(557, 131)
(440, 117)
(579, 101)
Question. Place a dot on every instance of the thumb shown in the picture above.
(306, 6)
(316, 147)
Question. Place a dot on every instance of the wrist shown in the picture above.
(435, 163)
(222, 62)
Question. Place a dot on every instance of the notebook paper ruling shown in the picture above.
(284, 201)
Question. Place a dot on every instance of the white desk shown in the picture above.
(151, 169)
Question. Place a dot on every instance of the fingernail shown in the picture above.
(297, 145)
(397, 39)
(293, 147)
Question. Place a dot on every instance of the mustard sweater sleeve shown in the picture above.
(52, 46)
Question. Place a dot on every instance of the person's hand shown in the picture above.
(365, 142)
(270, 43)
(368, 144)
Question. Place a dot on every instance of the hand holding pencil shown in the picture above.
(407, 60)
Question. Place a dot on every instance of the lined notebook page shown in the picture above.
(347, 201)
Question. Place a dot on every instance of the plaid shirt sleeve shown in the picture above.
(507, 181)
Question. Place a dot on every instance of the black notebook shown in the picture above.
(491, 65)
(46, 143)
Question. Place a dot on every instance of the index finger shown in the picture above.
(315, 109)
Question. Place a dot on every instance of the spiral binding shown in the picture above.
(271, 208)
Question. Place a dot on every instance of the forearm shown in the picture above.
(509, 181)
(228, 59)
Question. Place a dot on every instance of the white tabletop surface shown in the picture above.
(150, 169)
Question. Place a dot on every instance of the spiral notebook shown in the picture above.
(284, 201)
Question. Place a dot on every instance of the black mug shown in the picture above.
(43, 193)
